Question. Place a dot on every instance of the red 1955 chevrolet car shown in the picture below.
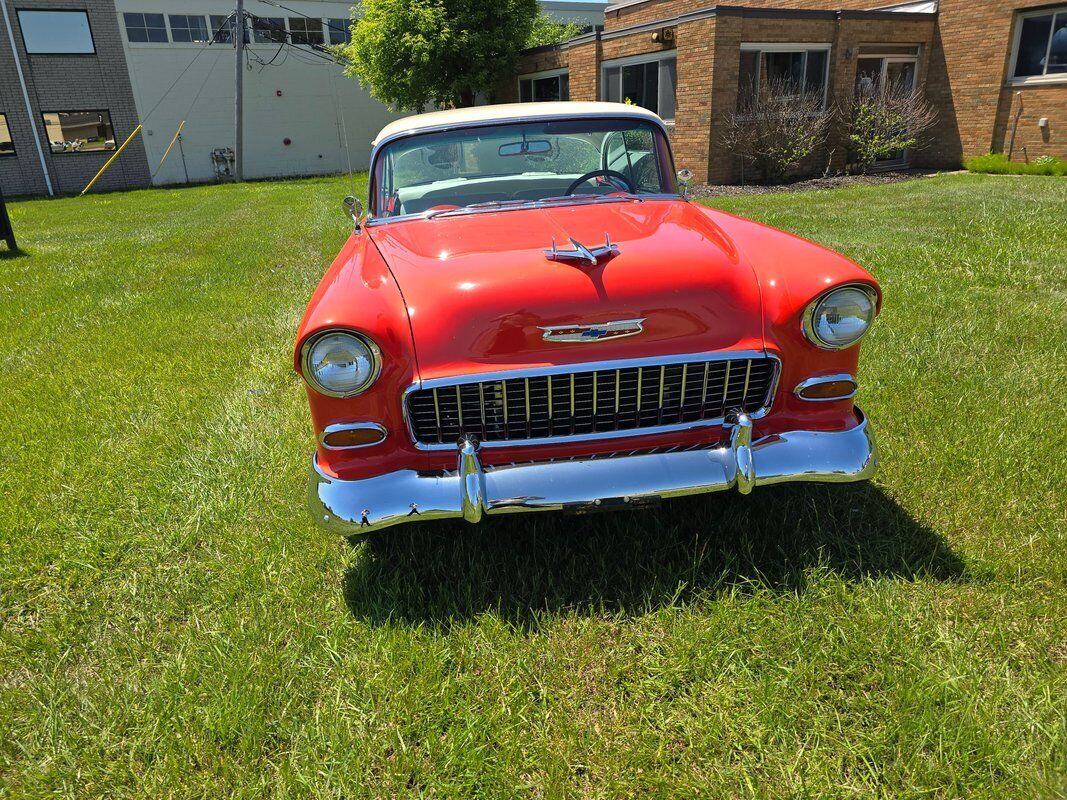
(533, 317)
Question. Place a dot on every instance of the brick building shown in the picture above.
(982, 66)
(81, 106)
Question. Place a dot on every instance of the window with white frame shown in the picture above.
(187, 28)
(145, 27)
(545, 86)
(796, 68)
(1041, 44)
(268, 30)
(305, 31)
(339, 30)
(646, 81)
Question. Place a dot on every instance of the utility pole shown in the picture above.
(238, 121)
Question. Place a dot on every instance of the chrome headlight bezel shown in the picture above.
(807, 320)
(309, 374)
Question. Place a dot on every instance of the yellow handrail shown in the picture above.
(111, 160)
(177, 133)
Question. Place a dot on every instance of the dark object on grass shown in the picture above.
(7, 233)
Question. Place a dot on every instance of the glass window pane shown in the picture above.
(222, 28)
(268, 30)
(784, 68)
(56, 32)
(565, 86)
(339, 30)
(7, 146)
(1033, 44)
(747, 77)
(306, 31)
(188, 28)
(868, 76)
(525, 91)
(1057, 55)
(611, 89)
(546, 89)
(815, 73)
(668, 78)
(79, 131)
(640, 85)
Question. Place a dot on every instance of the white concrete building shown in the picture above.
(298, 107)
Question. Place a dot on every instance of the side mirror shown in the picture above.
(353, 209)
(685, 175)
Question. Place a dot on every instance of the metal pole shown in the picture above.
(181, 150)
(111, 160)
(26, 97)
(238, 122)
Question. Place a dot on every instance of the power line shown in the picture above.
(181, 74)
(306, 16)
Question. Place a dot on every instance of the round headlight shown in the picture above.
(341, 364)
(840, 318)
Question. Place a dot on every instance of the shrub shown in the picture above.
(998, 164)
(882, 122)
(777, 128)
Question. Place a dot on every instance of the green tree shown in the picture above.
(547, 29)
(412, 54)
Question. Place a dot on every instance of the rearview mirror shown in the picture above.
(529, 147)
(353, 209)
(685, 175)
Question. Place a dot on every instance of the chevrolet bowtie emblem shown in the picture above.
(583, 253)
(593, 333)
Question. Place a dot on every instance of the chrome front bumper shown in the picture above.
(364, 506)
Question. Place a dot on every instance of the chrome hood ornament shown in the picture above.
(596, 332)
(583, 253)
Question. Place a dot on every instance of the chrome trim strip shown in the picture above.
(841, 376)
(595, 366)
(352, 426)
(472, 490)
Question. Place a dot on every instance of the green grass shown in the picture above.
(174, 626)
(999, 164)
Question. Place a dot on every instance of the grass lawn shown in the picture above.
(174, 626)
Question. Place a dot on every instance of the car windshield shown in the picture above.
(520, 163)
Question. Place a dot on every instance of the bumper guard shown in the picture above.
(370, 504)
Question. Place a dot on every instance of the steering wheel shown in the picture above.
(614, 178)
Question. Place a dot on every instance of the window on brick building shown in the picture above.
(643, 81)
(801, 69)
(79, 131)
(145, 27)
(55, 32)
(7, 146)
(545, 86)
(1041, 44)
(188, 28)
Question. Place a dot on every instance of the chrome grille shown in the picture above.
(589, 402)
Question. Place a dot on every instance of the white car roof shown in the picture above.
(509, 112)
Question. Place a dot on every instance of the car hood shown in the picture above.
(479, 289)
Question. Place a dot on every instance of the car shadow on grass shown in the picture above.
(522, 566)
